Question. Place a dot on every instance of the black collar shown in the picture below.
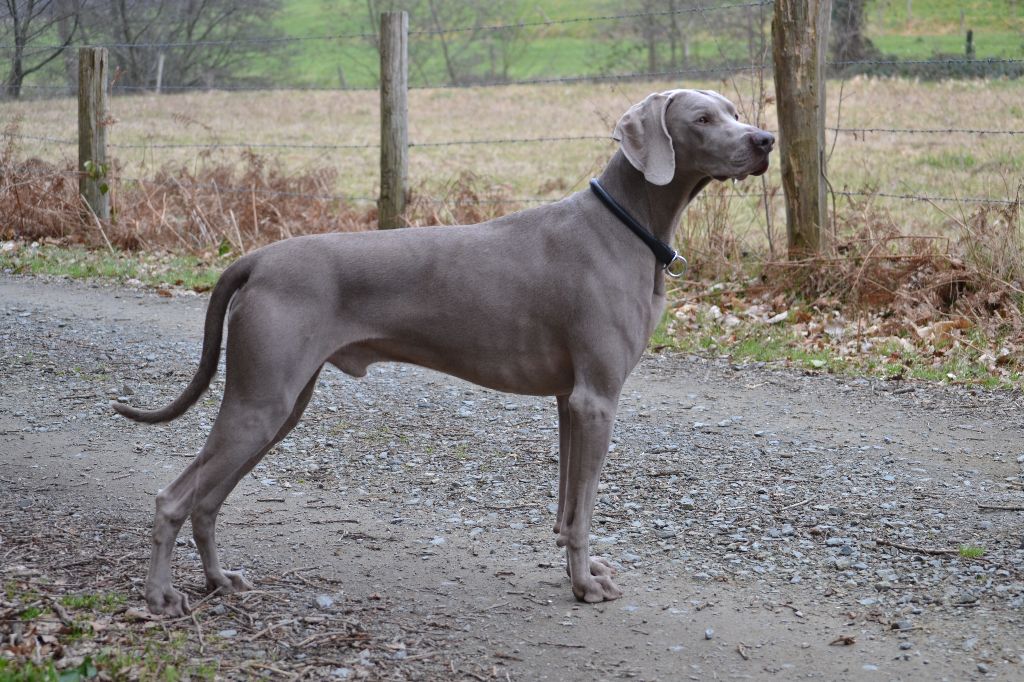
(665, 254)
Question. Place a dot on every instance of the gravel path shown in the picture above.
(767, 523)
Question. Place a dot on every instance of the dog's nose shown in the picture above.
(762, 140)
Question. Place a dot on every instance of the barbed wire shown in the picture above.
(269, 40)
(361, 199)
(213, 187)
(40, 138)
(239, 145)
(300, 145)
(209, 88)
(973, 131)
(598, 18)
(586, 78)
(916, 197)
(973, 62)
(515, 140)
(216, 187)
(255, 40)
(597, 78)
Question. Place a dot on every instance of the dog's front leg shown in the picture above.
(588, 419)
(564, 437)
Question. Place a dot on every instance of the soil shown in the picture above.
(766, 523)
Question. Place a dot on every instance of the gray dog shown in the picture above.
(558, 300)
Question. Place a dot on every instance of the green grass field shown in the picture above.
(590, 47)
(600, 46)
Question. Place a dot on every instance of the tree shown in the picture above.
(847, 41)
(203, 41)
(453, 35)
(24, 22)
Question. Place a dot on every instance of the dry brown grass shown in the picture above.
(917, 280)
(241, 207)
(945, 258)
(238, 206)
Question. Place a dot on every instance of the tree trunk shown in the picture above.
(67, 23)
(800, 35)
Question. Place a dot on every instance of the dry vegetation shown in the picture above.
(895, 268)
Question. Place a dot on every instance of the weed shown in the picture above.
(105, 603)
(971, 552)
(950, 160)
(663, 336)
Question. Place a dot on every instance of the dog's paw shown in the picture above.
(167, 602)
(602, 567)
(227, 582)
(595, 588)
(598, 566)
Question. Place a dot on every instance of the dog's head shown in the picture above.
(692, 131)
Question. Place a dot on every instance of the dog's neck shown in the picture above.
(656, 207)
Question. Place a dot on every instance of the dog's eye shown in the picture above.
(703, 119)
(736, 116)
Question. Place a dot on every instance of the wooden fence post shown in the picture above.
(92, 130)
(394, 121)
(800, 39)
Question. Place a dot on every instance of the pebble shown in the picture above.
(324, 601)
(227, 634)
(857, 488)
(709, 633)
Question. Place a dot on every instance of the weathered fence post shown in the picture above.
(92, 130)
(800, 39)
(160, 71)
(394, 122)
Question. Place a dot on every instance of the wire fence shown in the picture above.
(754, 66)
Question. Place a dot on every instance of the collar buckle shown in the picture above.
(676, 267)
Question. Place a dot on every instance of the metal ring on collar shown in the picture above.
(676, 267)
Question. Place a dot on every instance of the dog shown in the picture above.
(558, 300)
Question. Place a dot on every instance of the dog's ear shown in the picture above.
(645, 138)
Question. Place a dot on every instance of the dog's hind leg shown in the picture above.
(204, 515)
(264, 395)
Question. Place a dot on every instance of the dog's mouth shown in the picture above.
(760, 169)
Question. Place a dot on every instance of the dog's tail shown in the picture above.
(232, 279)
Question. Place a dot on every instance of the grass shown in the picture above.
(971, 552)
(191, 233)
(799, 342)
(926, 165)
(586, 47)
(102, 602)
(589, 47)
(112, 653)
(156, 270)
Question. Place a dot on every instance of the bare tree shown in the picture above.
(458, 35)
(847, 42)
(203, 41)
(24, 22)
(659, 30)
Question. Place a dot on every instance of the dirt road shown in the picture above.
(768, 523)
